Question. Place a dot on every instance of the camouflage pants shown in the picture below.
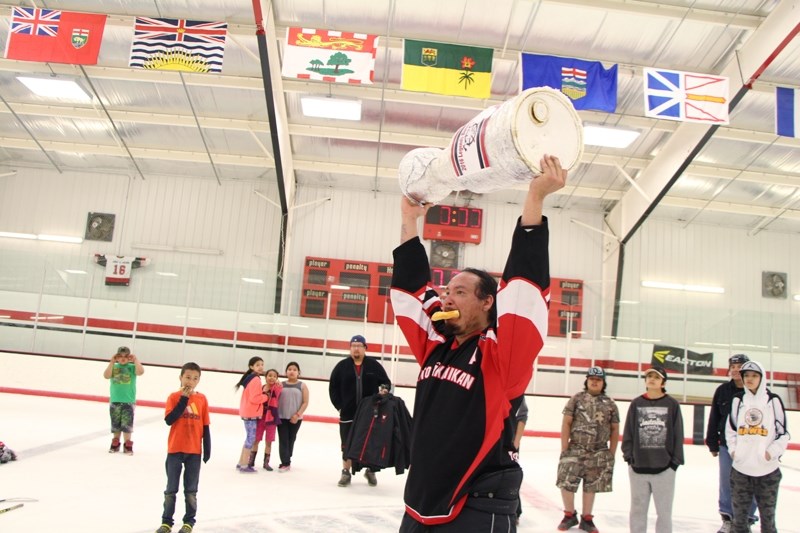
(765, 491)
(594, 468)
(121, 417)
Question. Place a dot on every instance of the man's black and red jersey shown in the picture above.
(461, 424)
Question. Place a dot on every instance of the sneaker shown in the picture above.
(114, 446)
(587, 524)
(345, 479)
(268, 468)
(371, 479)
(570, 519)
(282, 469)
(726, 525)
(247, 470)
(185, 528)
(164, 528)
(128, 447)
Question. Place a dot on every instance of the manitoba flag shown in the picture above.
(52, 36)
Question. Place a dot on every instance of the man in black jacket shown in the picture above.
(351, 380)
(715, 438)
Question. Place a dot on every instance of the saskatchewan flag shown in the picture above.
(447, 69)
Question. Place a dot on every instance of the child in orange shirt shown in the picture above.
(189, 436)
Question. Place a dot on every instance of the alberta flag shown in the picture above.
(587, 83)
(328, 55)
(787, 112)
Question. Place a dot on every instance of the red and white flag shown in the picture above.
(327, 55)
(53, 36)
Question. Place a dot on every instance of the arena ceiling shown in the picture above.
(146, 123)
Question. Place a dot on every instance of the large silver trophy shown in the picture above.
(499, 148)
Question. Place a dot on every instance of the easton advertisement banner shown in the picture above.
(673, 358)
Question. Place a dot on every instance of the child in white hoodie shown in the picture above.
(757, 437)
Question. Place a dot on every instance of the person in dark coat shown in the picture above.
(352, 379)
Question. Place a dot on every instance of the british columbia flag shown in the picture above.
(178, 44)
(32, 21)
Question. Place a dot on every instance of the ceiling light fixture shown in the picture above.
(330, 107)
(680, 287)
(340, 287)
(253, 280)
(80, 272)
(167, 274)
(796, 297)
(60, 89)
(609, 137)
(41, 237)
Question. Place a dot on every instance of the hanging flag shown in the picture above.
(587, 83)
(685, 96)
(53, 36)
(447, 69)
(178, 44)
(787, 112)
(333, 56)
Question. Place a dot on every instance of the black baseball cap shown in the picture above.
(738, 359)
(658, 370)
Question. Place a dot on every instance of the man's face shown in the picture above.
(461, 295)
(357, 351)
(735, 371)
(594, 385)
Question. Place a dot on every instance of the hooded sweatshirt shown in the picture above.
(757, 424)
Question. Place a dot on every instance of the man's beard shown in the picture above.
(450, 329)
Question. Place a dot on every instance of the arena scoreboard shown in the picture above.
(566, 308)
(451, 223)
(357, 289)
(361, 288)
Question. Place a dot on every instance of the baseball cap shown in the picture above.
(658, 370)
(359, 338)
(596, 372)
(123, 350)
(738, 359)
(752, 367)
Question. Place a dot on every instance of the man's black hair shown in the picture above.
(487, 286)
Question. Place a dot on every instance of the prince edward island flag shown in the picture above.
(447, 69)
(587, 83)
(787, 112)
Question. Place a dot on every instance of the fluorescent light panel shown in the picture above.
(340, 287)
(56, 88)
(609, 137)
(796, 297)
(41, 237)
(329, 107)
(80, 272)
(680, 287)
(253, 280)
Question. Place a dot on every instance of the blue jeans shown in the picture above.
(190, 464)
(725, 505)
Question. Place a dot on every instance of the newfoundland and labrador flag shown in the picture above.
(787, 112)
(447, 69)
(53, 36)
(686, 96)
(178, 44)
(587, 83)
(328, 55)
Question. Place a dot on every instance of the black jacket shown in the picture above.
(381, 434)
(720, 410)
(346, 387)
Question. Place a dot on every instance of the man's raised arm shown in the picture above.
(552, 178)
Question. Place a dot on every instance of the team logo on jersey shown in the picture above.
(753, 417)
